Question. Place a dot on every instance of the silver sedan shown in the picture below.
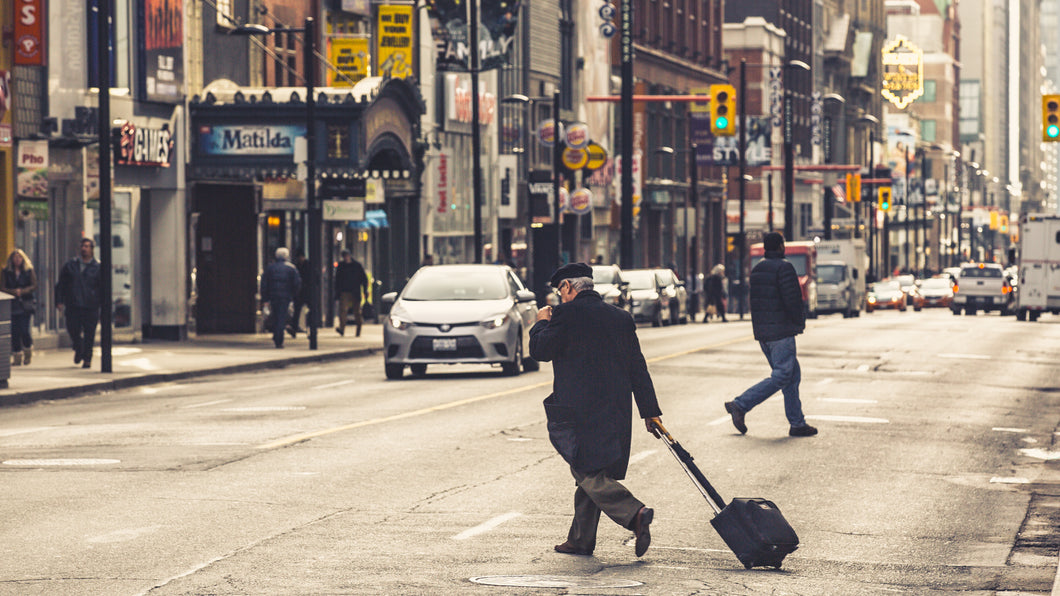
(453, 314)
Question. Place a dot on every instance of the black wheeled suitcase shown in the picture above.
(754, 529)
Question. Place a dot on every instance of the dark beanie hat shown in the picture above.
(570, 271)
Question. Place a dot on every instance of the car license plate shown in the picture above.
(445, 344)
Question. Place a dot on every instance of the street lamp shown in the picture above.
(873, 121)
(829, 195)
(789, 157)
(315, 216)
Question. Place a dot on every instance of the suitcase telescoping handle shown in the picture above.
(685, 459)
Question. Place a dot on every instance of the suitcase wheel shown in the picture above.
(747, 565)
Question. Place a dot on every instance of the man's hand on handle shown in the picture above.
(654, 425)
(545, 314)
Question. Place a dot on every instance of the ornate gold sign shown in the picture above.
(903, 72)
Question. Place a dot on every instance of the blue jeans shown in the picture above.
(786, 377)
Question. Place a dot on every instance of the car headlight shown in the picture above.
(495, 322)
(636, 302)
(654, 296)
(398, 323)
(872, 300)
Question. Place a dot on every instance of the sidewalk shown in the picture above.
(53, 374)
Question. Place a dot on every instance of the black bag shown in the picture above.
(367, 311)
(754, 529)
(561, 428)
(29, 304)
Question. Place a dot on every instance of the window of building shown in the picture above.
(338, 141)
(927, 130)
(930, 88)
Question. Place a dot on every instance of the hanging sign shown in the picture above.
(575, 159)
(350, 57)
(577, 136)
(903, 72)
(581, 202)
(546, 134)
(394, 41)
(140, 146)
(597, 157)
(29, 32)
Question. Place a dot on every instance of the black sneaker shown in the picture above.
(737, 417)
(802, 431)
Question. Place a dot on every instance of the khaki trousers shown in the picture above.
(348, 300)
(599, 492)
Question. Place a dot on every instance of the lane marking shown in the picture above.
(722, 420)
(1006, 429)
(203, 405)
(847, 400)
(827, 381)
(338, 384)
(22, 431)
(302, 437)
(863, 368)
(60, 462)
(1039, 453)
(1008, 480)
(140, 363)
(487, 525)
(966, 356)
(122, 535)
(862, 419)
(641, 456)
(265, 409)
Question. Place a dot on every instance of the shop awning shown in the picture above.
(376, 218)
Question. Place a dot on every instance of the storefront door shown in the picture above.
(226, 256)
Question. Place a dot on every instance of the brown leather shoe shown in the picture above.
(640, 528)
(569, 549)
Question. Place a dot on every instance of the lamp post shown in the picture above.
(312, 206)
(873, 122)
(105, 235)
(829, 196)
(789, 156)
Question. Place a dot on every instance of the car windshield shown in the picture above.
(886, 286)
(984, 272)
(798, 261)
(831, 274)
(935, 283)
(604, 275)
(443, 283)
(665, 278)
(639, 280)
(906, 280)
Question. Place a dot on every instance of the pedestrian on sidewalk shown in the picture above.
(597, 364)
(301, 300)
(20, 280)
(78, 296)
(351, 289)
(279, 285)
(716, 293)
(777, 316)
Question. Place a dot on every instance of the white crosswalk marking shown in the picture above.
(487, 525)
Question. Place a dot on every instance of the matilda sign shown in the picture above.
(903, 72)
(248, 140)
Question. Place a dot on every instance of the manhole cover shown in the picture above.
(60, 462)
(552, 581)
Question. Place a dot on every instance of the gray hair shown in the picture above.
(577, 284)
(282, 253)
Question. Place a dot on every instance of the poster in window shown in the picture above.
(496, 33)
(162, 63)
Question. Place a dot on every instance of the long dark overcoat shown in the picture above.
(597, 363)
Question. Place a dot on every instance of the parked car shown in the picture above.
(451, 314)
(886, 294)
(649, 303)
(674, 289)
(608, 282)
(934, 292)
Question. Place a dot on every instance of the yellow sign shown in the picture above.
(597, 156)
(700, 107)
(575, 159)
(350, 57)
(903, 72)
(394, 41)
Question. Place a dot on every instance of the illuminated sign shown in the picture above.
(903, 72)
(138, 146)
(248, 140)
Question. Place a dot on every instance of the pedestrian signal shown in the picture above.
(853, 187)
(885, 198)
(723, 110)
(1050, 118)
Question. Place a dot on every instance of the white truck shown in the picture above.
(1038, 289)
(841, 268)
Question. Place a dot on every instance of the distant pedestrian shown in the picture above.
(78, 295)
(19, 280)
(302, 299)
(597, 364)
(716, 294)
(428, 260)
(351, 289)
(777, 316)
(279, 286)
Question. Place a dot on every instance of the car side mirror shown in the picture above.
(680, 284)
(623, 284)
(388, 298)
(525, 296)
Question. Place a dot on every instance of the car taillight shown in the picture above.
(954, 288)
(1005, 289)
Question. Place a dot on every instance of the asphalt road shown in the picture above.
(932, 474)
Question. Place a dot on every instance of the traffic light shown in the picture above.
(723, 110)
(1050, 118)
(853, 187)
(885, 198)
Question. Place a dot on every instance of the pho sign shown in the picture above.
(903, 72)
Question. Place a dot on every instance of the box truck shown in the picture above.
(841, 269)
(1038, 289)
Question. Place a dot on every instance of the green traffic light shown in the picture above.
(1052, 131)
(721, 123)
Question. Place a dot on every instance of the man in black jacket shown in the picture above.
(279, 285)
(78, 295)
(597, 364)
(777, 316)
(351, 290)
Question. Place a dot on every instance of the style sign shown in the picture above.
(394, 41)
(903, 72)
(29, 32)
(138, 146)
(248, 140)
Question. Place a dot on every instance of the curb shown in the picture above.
(118, 384)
